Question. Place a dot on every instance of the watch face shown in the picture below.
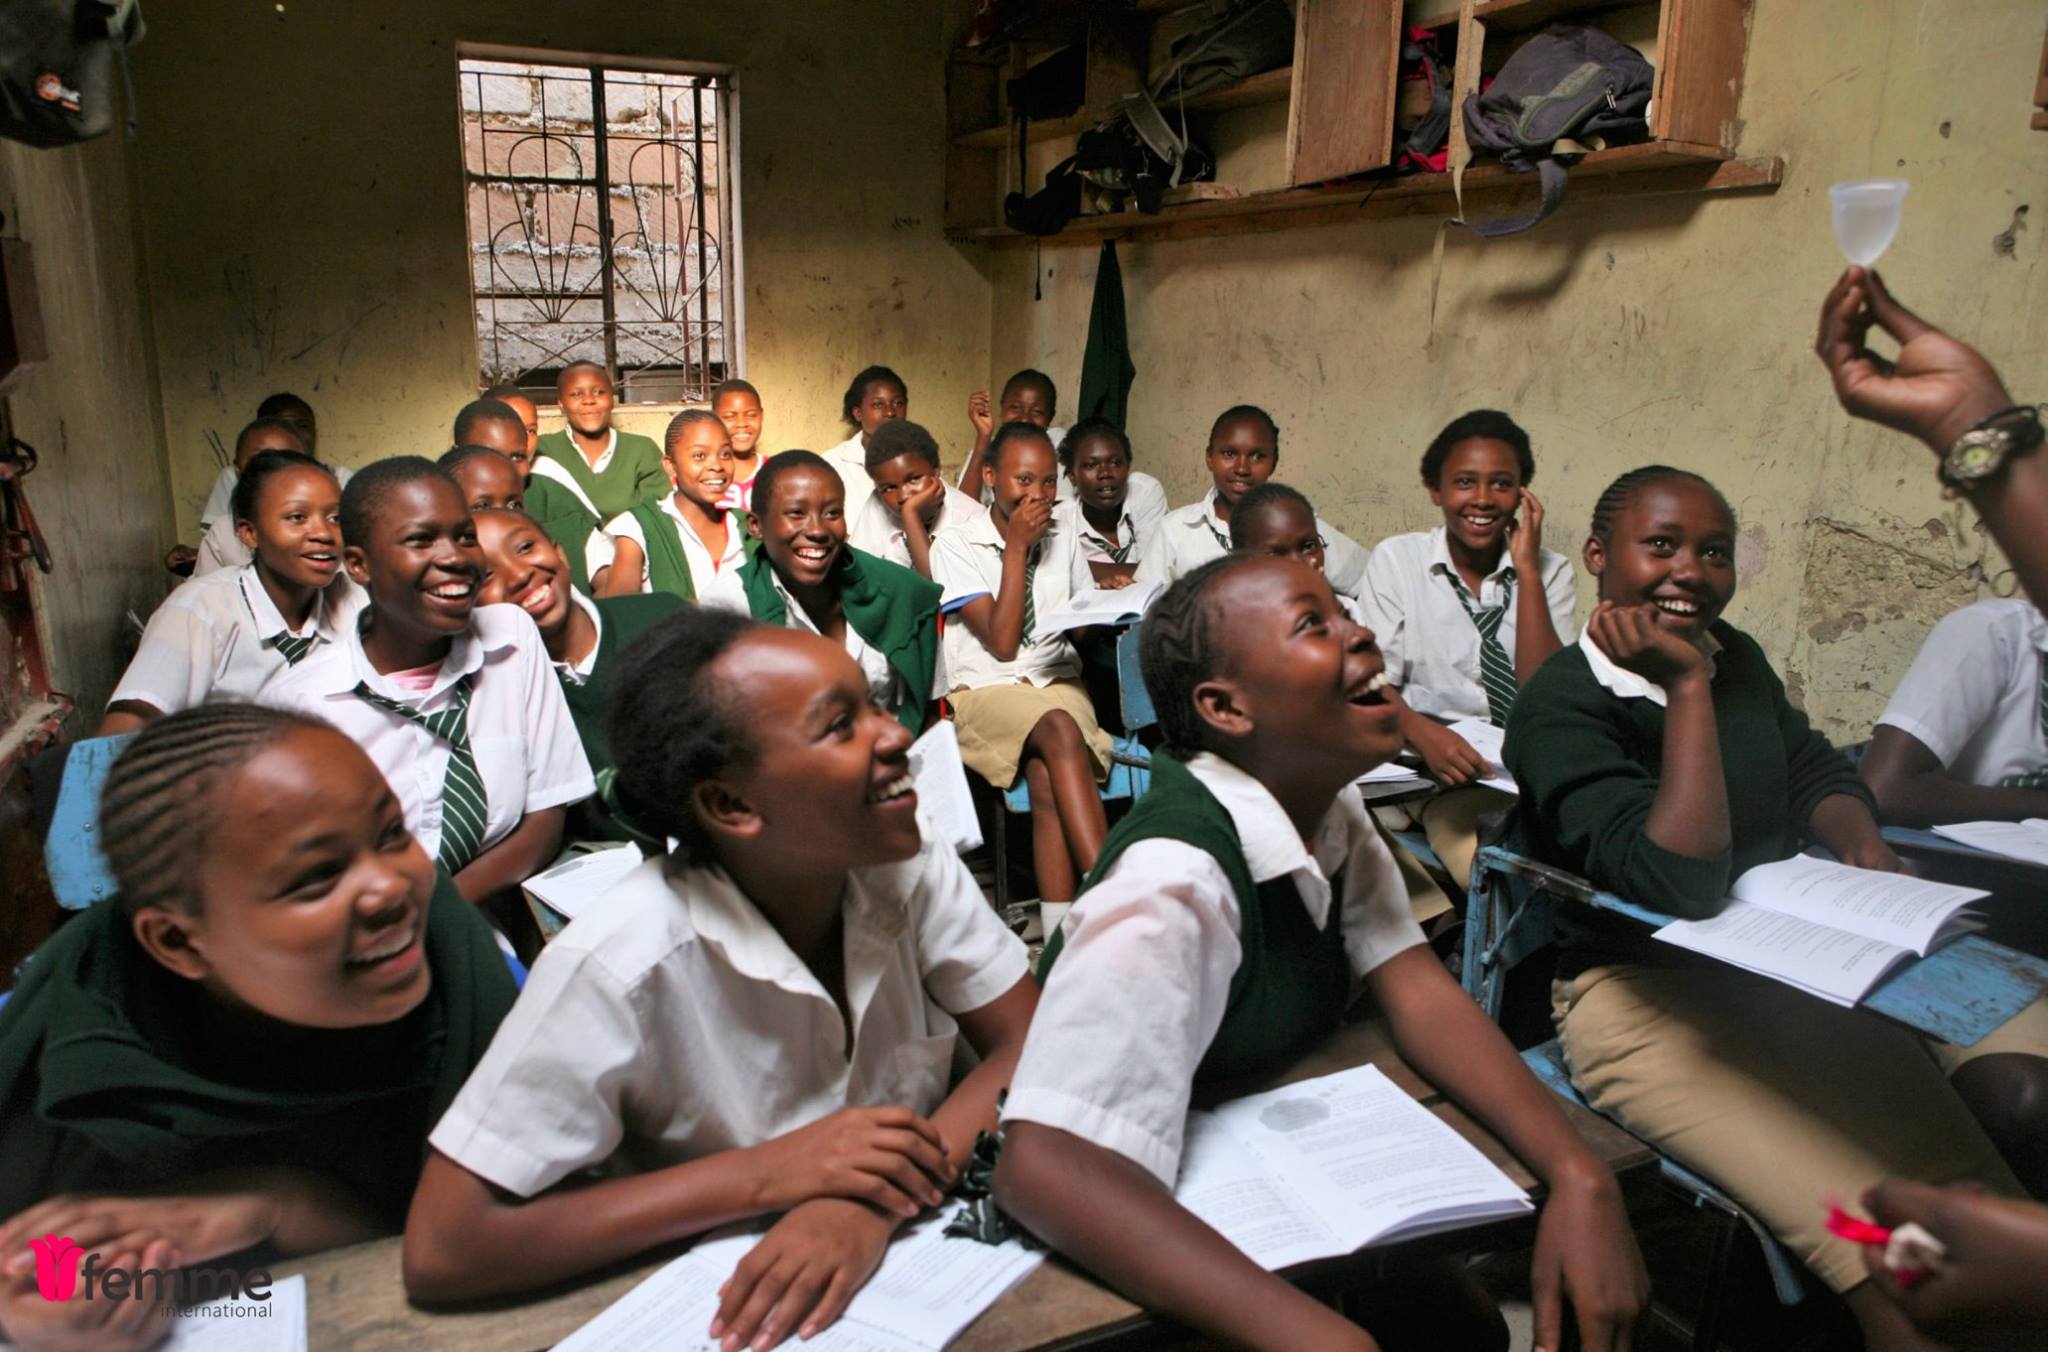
(1976, 459)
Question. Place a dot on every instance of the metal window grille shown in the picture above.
(600, 209)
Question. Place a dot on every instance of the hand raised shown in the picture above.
(1935, 389)
(981, 414)
(1634, 641)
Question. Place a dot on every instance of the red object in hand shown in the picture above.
(1856, 1230)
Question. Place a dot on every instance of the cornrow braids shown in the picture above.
(1236, 411)
(157, 810)
(1009, 432)
(685, 420)
(673, 725)
(1265, 497)
(1086, 428)
(1617, 494)
(1177, 650)
(262, 467)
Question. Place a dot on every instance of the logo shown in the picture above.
(56, 1266)
(51, 89)
(58, 1271)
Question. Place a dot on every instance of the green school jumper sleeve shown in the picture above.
(111, 1086)
(1293, 980)
(621, 619)
(1589, 762)
(668, 568)
(635, 474)
(567, 522)
(892, 608)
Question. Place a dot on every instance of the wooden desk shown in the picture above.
(356, 1301)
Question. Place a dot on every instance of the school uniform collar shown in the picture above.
(488, 633)
(604, 459)
(735, 533)
(270, 620)
(983, 530)
(792, 607)
(1125, 529)
(1440, 561)
(724, 917)
(1625, 684)
(578, 672)
(1272, 847)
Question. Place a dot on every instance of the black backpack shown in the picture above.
(1569, 83)
(57, 63)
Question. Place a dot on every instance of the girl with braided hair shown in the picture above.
(248, 1046)
(1231, 918)
(1659, 757)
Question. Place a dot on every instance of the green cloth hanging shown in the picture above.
(1106, 369)
(892, 608)
(668, 568)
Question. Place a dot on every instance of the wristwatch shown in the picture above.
(1982, 451)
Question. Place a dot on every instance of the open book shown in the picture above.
(2026, 841)
(1829, 929)
(1330, 1165)
(1100, 605)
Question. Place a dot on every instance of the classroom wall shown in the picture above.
(305, 210)
(1674, 329)
(90, 410)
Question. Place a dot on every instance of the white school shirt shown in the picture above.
(548, 468)
(1188, 537)
(673, 1021)
(1622, 683)
(526, 746)
(1095, 548)
(220, 499)
(1429, 641)
(850, 458)
(967, 561)
(884, 682)
(579, 673)
(879, 532)
(599, 551)
(1143, 982)
(214, 639)
(1973, 694)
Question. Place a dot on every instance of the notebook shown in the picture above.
(1101, 605)
(1827, 928)
(2026, 841)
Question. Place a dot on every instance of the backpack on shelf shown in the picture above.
(1422, 107)
(1568, 84)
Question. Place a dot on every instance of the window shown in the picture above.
(601, 212)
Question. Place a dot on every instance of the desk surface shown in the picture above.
(355, 1299)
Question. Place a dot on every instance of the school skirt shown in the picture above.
(994, 721)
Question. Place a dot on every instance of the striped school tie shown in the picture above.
(1116, 553)
(464, 806)
(1030, 586)
(291, 646)
(1496, 668)
(2036, 778)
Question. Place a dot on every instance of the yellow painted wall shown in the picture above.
(90, 410)
(301, 170)
(1669, 329)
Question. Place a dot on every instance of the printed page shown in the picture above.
(581, 881)
(945, 808)
(1490, 742)
(671, 1311)
(1893, 908)
(239, 1324)
(1831, 963)
(1232, 1191)
(929, 1287)
(2026, 841)
(1371, 1161)
(1388, 771)
(1100, 605)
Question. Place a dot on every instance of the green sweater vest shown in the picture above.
(1293, 980)
(668, 567)
(567, 522)
(891, 607)
(635, 474)
(621, 620)
(1589, 762)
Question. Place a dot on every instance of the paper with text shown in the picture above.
(2026, 841)
(239, 1324)
(1490, 742)
(1894, 908)
(1819, 959)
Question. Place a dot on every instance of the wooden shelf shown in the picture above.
(1514, 16)
(1651, 169)
(1271, 87)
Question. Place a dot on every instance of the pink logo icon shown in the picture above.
(56, 1266)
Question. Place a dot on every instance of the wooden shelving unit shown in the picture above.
(1341, 94)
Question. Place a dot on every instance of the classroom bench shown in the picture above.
(355, 1299)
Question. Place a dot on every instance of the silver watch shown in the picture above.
(1982, 451)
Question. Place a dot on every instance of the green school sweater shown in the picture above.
(567, 522)
(106, 1083)
(635, 474)
(892, 608)
(621, 619)
(1589, 762)
(1293, 980)
(668, 568)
